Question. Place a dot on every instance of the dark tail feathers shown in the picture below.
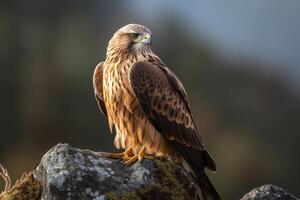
(197, 161)
(208, 191)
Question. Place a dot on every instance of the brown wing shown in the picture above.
(98, 87)
(177, 85)
(164, 101)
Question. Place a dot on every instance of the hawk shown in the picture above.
(148, 107)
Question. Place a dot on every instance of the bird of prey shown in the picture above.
(147, 106)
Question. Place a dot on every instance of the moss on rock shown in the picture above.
(171, 185)
(27, 187)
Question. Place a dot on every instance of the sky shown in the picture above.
(264, 30)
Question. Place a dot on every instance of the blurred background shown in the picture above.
(239, 62)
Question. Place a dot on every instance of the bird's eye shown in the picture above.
(135, 36)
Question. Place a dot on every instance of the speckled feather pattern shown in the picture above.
(147, 106)
(127, 84)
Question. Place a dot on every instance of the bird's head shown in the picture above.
(132, 38)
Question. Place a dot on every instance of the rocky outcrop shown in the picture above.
(66, 172)
(70, 173)
(268, 192)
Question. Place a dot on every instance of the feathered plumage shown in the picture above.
(148, 107)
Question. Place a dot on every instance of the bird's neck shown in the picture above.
(120, 55)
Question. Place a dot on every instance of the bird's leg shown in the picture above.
(128, 153)
(136, 157)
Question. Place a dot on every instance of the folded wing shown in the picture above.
(164, 101)
(98, 87)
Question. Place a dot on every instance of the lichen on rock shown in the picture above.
(71, 173)
(268, 192)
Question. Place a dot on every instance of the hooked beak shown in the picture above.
(147, 39)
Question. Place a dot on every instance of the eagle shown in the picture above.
(148, 108)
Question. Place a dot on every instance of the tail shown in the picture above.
(195, 161)
(206, 190)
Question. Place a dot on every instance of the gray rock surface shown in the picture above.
(69, 173)
(268, 192)
(66, 172)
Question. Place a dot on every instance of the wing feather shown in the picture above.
(156, 94)
(98, 87)
(163, 99)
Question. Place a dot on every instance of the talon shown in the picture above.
(126, 158)
(123, 165)
(141, 154)
(126, 153)
(129, 152)
(115, 155)
(130, 160)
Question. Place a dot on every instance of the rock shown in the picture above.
(26, 187)
(69, 173)
(268, 192)
(66, 172)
